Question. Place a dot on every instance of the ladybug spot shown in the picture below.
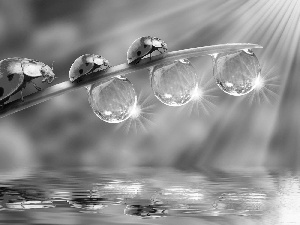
(86, 64)
(145, 46)
(81, 71)
(139, 53)
(1, 91)
(10, 76)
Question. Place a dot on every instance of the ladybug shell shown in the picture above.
(11, 77)
(143, 46)
(32, 68)
(14, 72)
(86, 64)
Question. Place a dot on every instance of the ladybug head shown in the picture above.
(158, 43)
(164, 46)
(47, 74)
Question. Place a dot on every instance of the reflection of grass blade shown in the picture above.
(121, 69)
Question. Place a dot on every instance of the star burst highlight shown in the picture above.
(203, 97)
(141, 116)
(266, 86)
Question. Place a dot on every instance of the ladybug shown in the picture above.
(16, 72)
(145, 46)
(87, 64)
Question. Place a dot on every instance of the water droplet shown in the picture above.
(113, 99)
(173, 83)
(236, 72)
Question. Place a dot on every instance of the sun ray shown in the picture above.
(287, 21)
(276, 24)
(285, 39)
(219, 11)
(250, 19)
(289, 45)
(261, 17)
(262, 30)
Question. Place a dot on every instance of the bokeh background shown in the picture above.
(257, 130)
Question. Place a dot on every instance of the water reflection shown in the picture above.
(149, 211)
(260, 197)
(21, 196)
(88, 204)
(244, 203)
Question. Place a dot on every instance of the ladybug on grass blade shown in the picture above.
(16, 72)
(86, 64)
(143, 47)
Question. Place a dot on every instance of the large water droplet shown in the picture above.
(236, 72)
(173, 83)
(112, 100)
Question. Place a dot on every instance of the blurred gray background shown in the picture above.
(260, 129)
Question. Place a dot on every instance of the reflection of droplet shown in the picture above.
(173, 83)
(113, 99)
(236, 72)
(30, 205)
(241, 203)
(87, 203)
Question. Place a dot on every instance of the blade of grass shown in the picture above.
(121, 69)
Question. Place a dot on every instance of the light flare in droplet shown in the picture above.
(203, 97)
(135, 111)
(266, 86)
(197, 94)
(141, 116)
(259, 83)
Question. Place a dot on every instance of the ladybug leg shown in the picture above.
(137, 61)
(22, 98)
(36, 87)
(161, 52)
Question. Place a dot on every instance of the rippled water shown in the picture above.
(150, 196)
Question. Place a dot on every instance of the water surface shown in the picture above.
(150, 196)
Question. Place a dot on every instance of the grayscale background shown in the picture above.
(225, 160)
(257, 130)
